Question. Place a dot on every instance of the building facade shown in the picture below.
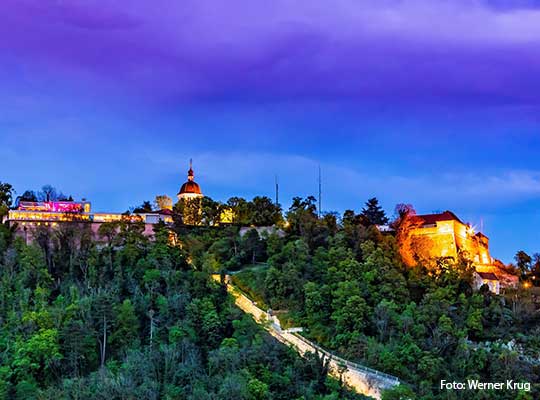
(447, 236)
(27, 216)
(31, 215)
(444, 235)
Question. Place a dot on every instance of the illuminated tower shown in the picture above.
(190, 189)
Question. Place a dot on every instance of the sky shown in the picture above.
(432, 103)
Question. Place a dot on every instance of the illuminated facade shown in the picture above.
(487, 278)
(30, 215)
(35, 212)
(444, 235)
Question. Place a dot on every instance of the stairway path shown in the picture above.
(363, 379)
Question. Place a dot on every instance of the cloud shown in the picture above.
(175, 52)
(253, 173)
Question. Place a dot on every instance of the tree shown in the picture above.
(257, 390)
(252, 247)
(304, 222)
(523, 262)
(374, 212)
(49, 193)
(317, 308)
(36, 356)
(163, 202)
(404, 224)
(535, 269)
(145, 207)
(240, 209)
(400, 392)
(6, 198)
(101, 317)
(351, 317)
(28, 195)
(264, 212)
(203, 317)
(210, 211)
(126, 327)
(188, 212)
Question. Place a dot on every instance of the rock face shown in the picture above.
(363, 379)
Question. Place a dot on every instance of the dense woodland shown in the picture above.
(126, 318)
(129, 318)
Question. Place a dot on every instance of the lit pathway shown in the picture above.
(363, 379)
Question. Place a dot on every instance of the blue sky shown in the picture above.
(430, 103)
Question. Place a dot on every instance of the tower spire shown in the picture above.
(190, 173)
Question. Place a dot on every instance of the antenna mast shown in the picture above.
(277, 192)
(320, 191)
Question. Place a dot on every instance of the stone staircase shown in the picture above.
(363, 379)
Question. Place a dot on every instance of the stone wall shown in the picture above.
(362, 379)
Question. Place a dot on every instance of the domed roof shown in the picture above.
(190, 187)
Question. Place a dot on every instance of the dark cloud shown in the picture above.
(419, 51)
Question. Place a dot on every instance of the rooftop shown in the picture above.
(428, 219)
(489, 276)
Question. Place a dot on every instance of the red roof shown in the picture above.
(190, 187)
(489, 276)
(429, 219)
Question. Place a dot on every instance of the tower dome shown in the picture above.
(190, 189)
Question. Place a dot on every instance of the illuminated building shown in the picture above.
(62, 211)
(190, 189)
(489, 279)
(445, 236)
(30, 215)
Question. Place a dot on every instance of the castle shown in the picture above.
(444, 235)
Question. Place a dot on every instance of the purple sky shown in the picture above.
(434, 103)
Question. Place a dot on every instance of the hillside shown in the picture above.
(346, 285)
(133, 320)
(130, 317)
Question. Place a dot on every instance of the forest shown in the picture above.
(125, 317)
(129, 318)
(344, 282)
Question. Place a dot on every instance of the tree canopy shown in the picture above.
(121, 316)
(374, 213)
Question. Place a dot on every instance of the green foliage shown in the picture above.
(132, 318)
(351, 292)
(374, 213)
(6, 198)
(125, 333)
(204, 211)
(400, 392)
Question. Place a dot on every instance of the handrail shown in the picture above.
(346, 362)
(276, 330)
